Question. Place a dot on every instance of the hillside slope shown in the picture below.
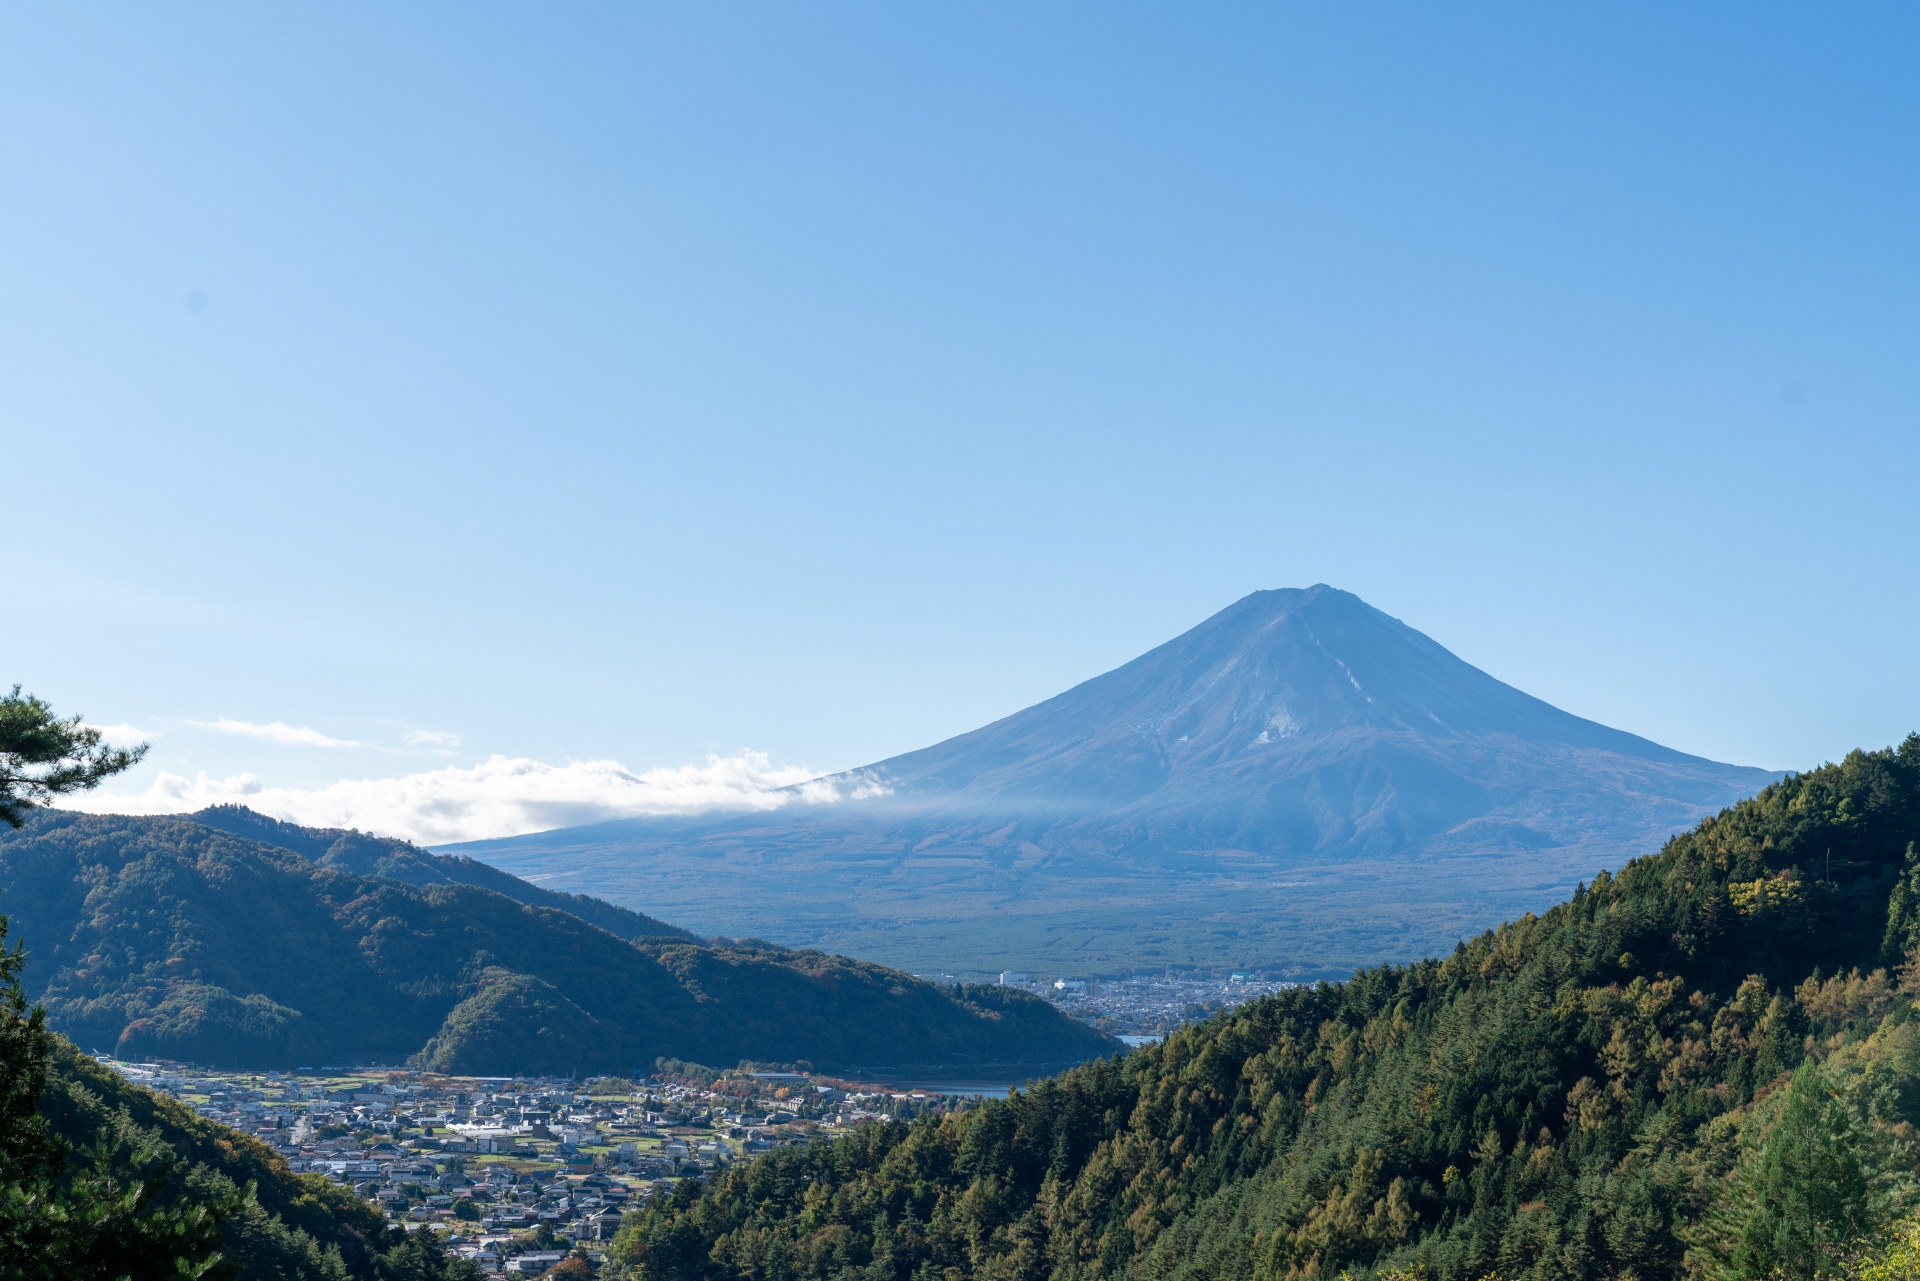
(166, 938)
(272, 1224)
(1275, 789)
(368, 855)
(1707, 1065)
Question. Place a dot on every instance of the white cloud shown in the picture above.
(501, 796)
(431, 738)
(276, 732)
(123, 735)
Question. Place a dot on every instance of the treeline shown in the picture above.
(1707, 1065)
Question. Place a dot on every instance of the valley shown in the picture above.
(1151, 1031)
(1653, 1050)
(520, 1173)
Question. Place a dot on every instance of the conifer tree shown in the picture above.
(43, 756)
(1811, 1192)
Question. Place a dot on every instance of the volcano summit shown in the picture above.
(1299, 784)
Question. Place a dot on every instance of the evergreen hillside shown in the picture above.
(397, 860)
(259, 1219)
(164, 938)
(1705, 1065)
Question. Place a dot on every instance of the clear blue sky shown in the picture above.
(643, 382)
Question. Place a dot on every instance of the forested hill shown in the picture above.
(369, 855)
(165, 938)
(1706, 1065)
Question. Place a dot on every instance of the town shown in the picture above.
(519, 1173)
(1142, 1008)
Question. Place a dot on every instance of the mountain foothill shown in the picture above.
(232, 940)
(1301, 784)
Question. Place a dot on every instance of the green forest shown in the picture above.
(166, 938)
(1706, 1065)
(368, 855)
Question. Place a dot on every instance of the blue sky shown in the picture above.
(650, 383)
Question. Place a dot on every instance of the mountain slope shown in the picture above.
(397, 860)
(1708, 1065)
(1299, 781)
(167, 938)
(1278, 682)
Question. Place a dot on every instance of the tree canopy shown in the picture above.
(43, 756)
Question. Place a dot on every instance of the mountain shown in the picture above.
(1706, 1066)
(397, 860)
(166, 938)
(1300, 783)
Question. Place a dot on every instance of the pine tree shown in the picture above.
(1804, 1199)
(42, 756)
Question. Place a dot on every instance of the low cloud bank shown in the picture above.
(501, 796)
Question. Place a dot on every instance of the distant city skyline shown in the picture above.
(549, 396)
